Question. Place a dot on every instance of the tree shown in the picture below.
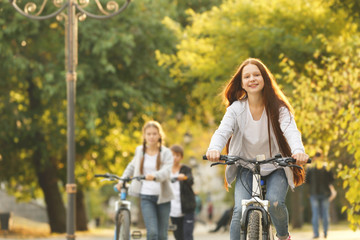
(123, 86)
(119, 86)
(219, 39)
(28, 113)
(350, 6)
(326, 98)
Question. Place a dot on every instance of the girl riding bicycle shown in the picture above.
(155, 161)
(259, 120)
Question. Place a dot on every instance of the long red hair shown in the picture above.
(274, 99)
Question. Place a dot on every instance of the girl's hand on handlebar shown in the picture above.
(118, 185)
(182, 177)
(301, 158)
(213, 155)
(150, 177)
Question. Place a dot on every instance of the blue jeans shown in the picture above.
(320, 209)
(156, 217)
(277, 187)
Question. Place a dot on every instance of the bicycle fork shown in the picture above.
(255, 203)
(120, 205)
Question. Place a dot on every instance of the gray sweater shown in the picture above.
(162, 175)
(233, 124)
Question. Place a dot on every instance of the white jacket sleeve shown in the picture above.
(290, 131)
(167, 160)
(224, 131)
(130, 168)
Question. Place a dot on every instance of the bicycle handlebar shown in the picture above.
(174, 179)
(281, 161)
(113, 177)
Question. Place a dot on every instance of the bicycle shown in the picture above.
(122, 208)
(255, 220)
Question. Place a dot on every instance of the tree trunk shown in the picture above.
(297, 208)
(48, 182)
(81, 218)
(333, 214)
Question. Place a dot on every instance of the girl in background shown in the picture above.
(154, 161)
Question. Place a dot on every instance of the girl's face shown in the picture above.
(152, 135)
(252, 80)
(177, 158)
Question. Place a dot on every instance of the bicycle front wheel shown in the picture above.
(122, 225)
(271, 233)
(253, 229)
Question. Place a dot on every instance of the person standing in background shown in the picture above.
(210, 211)
(183, 206)
(224, 221)
(322, 192)
(198, 209)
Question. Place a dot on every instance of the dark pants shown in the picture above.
(185, 226)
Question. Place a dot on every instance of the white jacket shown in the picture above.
(233, 124)
(162, 175)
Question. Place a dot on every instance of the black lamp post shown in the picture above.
(75, 10)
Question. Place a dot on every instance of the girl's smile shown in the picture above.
(252, 80)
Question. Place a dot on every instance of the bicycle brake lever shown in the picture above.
(139, 178)
(217, 163)
(294, 165)
(229, 162)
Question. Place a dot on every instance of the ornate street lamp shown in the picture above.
(75, 10)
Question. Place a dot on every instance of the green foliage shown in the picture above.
(220, 39)
(352, 7)
(154, 61)
(326, 98)
(28, 91)
(119, 85)
(118, 80)
(286, 36)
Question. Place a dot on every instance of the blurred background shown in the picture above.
(169, 60)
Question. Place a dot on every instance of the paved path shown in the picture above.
(202, 233)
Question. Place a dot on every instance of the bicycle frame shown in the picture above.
(122, 209)
(250, 207)
(256, 202)
(122, 203)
